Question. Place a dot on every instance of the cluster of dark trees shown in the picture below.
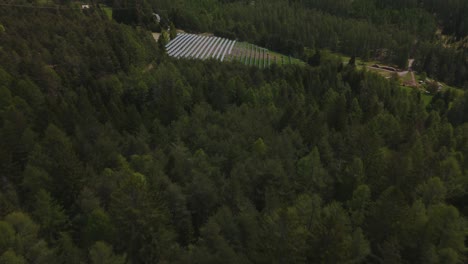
(111, 152)
(418, 16)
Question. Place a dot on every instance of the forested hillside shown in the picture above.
(113, 152)
(387, 30)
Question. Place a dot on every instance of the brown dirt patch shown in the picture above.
(156, 36)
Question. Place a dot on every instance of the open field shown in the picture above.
(204, 46)
(427, 98)
(107, 10)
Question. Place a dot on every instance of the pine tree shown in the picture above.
(172, 31)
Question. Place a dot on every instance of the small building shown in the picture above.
(85, 7)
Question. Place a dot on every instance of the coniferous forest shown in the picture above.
(113, 152)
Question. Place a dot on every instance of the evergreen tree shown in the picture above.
(172, 31)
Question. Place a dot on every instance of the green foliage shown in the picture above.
(311, 174)
(111, 152)
(315, 59)
(163, 39)
(172, 31)
(98, 227)
(7, 236)
(56, 156)
(352, 61)
(25, 245)
(67, 252)
(49, 215)
(133, 12)
(100, 252)
(10, 257)
(260, 147)
(6, 98)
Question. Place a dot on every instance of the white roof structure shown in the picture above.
(193, 46)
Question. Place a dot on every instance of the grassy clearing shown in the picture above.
(107, 10)
(253, 55)
(427, 98)
(406, 88)
(286, 59)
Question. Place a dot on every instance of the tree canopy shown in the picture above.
(112, 152)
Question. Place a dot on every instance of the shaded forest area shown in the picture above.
(104, 159)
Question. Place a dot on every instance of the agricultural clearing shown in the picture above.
(193, 46)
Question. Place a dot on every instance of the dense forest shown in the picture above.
(387, 30)
(112, 152)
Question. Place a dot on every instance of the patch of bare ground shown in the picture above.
(156, 35)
